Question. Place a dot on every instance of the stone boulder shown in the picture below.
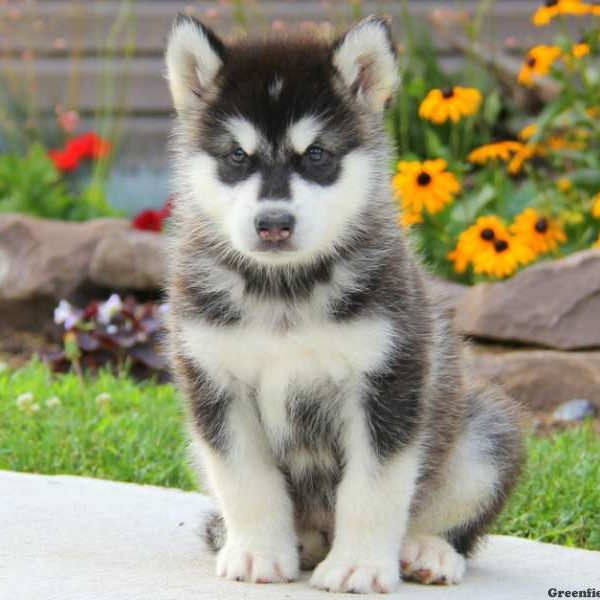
(540, 379)
(43, 258)
(129, 259)
(42, 261)
(555, 304)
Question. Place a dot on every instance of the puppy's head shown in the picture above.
(279, 141)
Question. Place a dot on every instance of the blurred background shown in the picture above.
(78, 65)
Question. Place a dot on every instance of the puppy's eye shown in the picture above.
(238, 156)
(315, 154)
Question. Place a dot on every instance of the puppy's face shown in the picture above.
(274, 131)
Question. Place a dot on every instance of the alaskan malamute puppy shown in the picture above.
(327, 402)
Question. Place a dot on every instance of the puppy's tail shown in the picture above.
(213, 531)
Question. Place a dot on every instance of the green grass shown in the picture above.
(137, 436)
(558, 498)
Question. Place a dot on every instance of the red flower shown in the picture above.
(153, 220)
(148, 220)
(88, 145)
(64, 160)
(85, 146)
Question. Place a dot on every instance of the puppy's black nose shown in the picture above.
(274, 226)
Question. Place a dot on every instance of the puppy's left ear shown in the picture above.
(365, 57)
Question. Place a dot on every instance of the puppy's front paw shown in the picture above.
(357, 576)
(430, 559)
(240, 563)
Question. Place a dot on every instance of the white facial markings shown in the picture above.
(303, 133)
(323, 212)
(275, 87)
(245, 133)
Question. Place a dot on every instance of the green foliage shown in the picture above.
(558, 500)
(31, 185)
(553, 175)
(135, 434)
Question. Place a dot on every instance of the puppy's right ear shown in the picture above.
(194, 56)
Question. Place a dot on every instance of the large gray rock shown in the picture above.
(44, 258)
(41, 262)
(129, 259)
(541, 379)
(70, 538)
(555, 304)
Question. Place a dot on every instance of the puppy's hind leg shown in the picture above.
(481, 470)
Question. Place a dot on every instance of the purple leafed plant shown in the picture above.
(116, 333)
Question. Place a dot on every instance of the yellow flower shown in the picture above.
(596, 206)
(593, 111)
(475, 240)
(528, 132)
(408, 219)
(502, 258)
(540, 233)
(552, 8)
(580, 50)
(597, 243)
(537, 63)
(452, 103)
(564, 184)
(424, 185)
(494, 151)
(525, 153)
(557, 142)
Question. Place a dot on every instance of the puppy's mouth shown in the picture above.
(274, 247)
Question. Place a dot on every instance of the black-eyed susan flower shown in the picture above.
(409, 218)
(424, 186)
(539, 232)
(596, 206)
(552, 8)
(538, 62)
(521, 156)
(502, 258)
(450, 103)
(580, 49)
(495, 151)
(475, 240)
(528, 132)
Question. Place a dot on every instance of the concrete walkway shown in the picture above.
(71, 538)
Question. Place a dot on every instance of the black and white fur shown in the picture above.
(327, 403)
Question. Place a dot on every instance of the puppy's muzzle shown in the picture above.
(274, 227)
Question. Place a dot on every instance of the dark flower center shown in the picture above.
(423, 178)
(541, 225)
(487, 234)
(501, 245)
(447, 92)
(531, 62)
(550, 3)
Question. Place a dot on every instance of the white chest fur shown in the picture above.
(268, 359)
(314, 350)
